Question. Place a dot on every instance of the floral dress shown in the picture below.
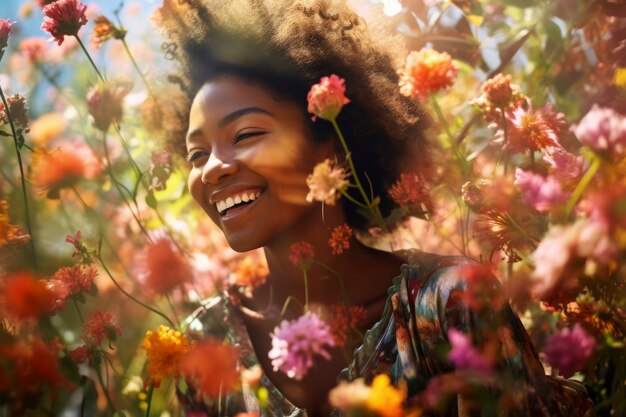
(424, 301)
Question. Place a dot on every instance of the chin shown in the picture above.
(241, 245)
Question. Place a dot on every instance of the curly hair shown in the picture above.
(286, 46)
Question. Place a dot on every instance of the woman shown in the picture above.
(247, 67)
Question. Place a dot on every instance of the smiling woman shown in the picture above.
(245, 70)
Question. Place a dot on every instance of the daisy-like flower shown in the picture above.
(212, 366)
(532, 130)
(426, 71)
(340, 239)
(411, 190)
(24, 296)
(544, 194)
(101, 325)
(165, 348)
(603, 130)
(5, 31)
(385, 399)
(17, 109)
(295, 342)
(104, 29)
(163, 267)
(327, 98)
(105, 103)
(326, 183)
(63, 18)
(464, 356)
(569, 349)
(301, 253)
(61, 168)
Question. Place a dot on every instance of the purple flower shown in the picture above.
(569, 349)
(602, 129)
(564, 166)
(464, 356)
(542, 193)
(295, 342)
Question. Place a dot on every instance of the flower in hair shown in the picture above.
(295, 342)
(63, 18)
(426, 71)
(327, 98)
(326, 183)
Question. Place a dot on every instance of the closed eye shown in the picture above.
(194, 156)
(245, 135)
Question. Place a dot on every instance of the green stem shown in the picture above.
(22, 177)
(169, 301)
(127, 150)
(127, 294)
(150, 391)
(582, 185)
(353, 200)
(93, 64)
(105, 388)
(136, 66)
(451, 139)
(80, 315)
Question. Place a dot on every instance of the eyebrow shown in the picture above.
(229, 118)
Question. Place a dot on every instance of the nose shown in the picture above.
(217, 168)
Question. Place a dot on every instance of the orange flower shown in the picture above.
(164, 268)
(101, 325)
(104, 30)
(165, 349)
(34, 49)
(105, 103)
(411, 190)
(250, 272)
(385, 399)
(63, 18)
(61, 168)
(214, 375)
(340, 239)
(327, 98)
(8, 231)
(47, 127)
(301, 253)
(426, 71)
(25, 296)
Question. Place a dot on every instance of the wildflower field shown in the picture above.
(104, 256)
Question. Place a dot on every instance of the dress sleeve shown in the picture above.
(433, 299)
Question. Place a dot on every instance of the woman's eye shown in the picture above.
(245, 135)
(193, 157)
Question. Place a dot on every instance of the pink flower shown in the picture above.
(326, 183)
(301, 253)
(76, 278)
(544, 194)
(464, 356)
(327, 98)
(411, 190)
(63, 18)
(563, 165)
(606, 206)
(295, 342)
(101, 325)
(533, 130)
(340, 239)
(426, 71)
(569, 349)
(603, 130)
(105, 103)
(5, 31)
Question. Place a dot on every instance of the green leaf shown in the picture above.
(151, 201)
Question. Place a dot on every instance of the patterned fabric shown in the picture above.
(424, 301)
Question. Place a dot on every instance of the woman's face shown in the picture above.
(250, 156)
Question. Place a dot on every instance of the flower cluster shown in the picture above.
(340, 239)
(427, 71)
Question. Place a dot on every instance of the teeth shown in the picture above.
(224, 205)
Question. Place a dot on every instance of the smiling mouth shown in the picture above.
(238, 200)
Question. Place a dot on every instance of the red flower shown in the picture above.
(411, 190)
(426, 71)
(301, 253)
(17, 110)
(340, 239)
(211, 376)
(164, 268)
(101, 325)
(104, 102)
(327, 98)
(25, 296)
(5, 31)
(343, 320)
(8, 231)
(59, 292)
(76, 278)
(82, 353)
(63, 18)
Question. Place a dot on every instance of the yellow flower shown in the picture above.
(46, 128)
(385, 399)
(620, 77)
(164, 347)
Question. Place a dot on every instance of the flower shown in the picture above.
(532, 130)
(47, 127)
(607, 206)
(464, 356)
(385, 399)
(8, 231)
(24, 296)
(326, 183)
(482, 291)
(163, 267)
(563, 165)
(80, 354)
(34, 49)
(214, 375)
(59, 292)
(345, 319)
(425, 72)
(5, 31)
(301, 253)
(569, 349)
(544, 194)
(104, 29)
(411, 190)
(603, 130)
(327, 98)
(349, 395)
(498, 94)
(340, 239)
(101, 325)
(105, 103)
(165, 348)
(76, 278)
(295, 342)
(250, 272)
(498, 90)
(63, 18)
(80, 250)
(160, 170)
(61, 168)
(17, 110)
